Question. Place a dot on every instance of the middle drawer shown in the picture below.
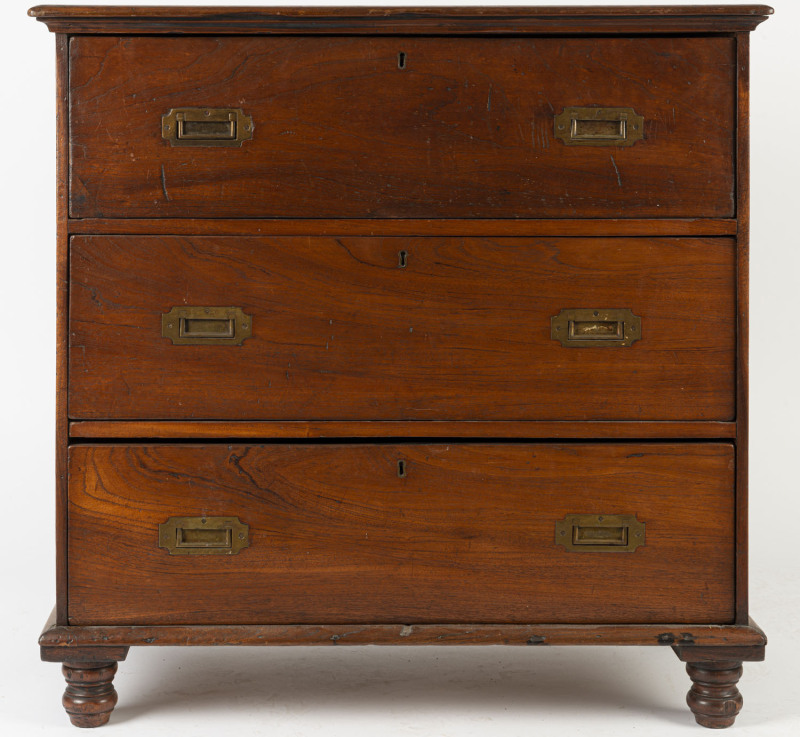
(355, 328)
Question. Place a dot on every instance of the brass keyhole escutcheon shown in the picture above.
(402, 259)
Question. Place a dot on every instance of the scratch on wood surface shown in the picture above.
(164, 184)
(614, 164)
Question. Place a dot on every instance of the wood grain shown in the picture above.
(734, 649)
(340, 332)
(60, 641)
(445, 364)
(742, 326)
(216, 12)
(385, 227)
(464, 130)
(175, 429)
(714, 698)
(90, 696)
(466, 536)
(62, 321)
(376, 21)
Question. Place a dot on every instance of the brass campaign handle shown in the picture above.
(206, 325)
(600, 533)
(599, 126)
(203, 126)
(203, 535)
(594, 328)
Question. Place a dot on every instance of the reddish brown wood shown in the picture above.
(467, 535)
(78, 649)
(248, 12)
(488, 20)
(465, 130)
(340, 332)
(62, 326)
(59, 642)
(742, 326)
(714, 699)
(472, 227)
(63, 640)
(715, 670)
(143, 429)
(728, 650)
(454, 157)
(89, 669)
(90, 696)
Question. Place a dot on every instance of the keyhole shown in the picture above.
(401, 60)
(402, 259)
(401, 469)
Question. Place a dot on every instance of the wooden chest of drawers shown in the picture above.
(402, 327)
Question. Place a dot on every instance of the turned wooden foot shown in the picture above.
(715, 670)
(90, 696)
(714, 698)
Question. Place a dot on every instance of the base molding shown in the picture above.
(713, 653)
(682, 637)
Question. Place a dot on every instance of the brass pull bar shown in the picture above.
(603, 533)
(589, 328)
(197, 126)
(206, 325)
(203, 535)
(599, 126)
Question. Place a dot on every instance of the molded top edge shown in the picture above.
(402, 20)
(211, 11)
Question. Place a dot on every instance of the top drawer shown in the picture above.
(404, 127)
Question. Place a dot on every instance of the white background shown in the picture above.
(390, 691)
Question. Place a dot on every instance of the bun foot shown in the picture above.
(714, 699)
(89, 697)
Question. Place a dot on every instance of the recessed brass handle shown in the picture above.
(203, 535)
(599, 126)
(203, 126)
(600, 533)
(206, 325)
(593, 328)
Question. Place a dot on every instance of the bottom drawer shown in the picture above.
(401, 533)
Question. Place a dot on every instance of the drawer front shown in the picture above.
(400, 328)
(401, 533)
(402, 127)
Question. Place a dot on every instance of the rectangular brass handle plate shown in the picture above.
(203, 535)
(599, 126)
(206, 325)
(202, 126)
(600, 533)
(593, 328)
